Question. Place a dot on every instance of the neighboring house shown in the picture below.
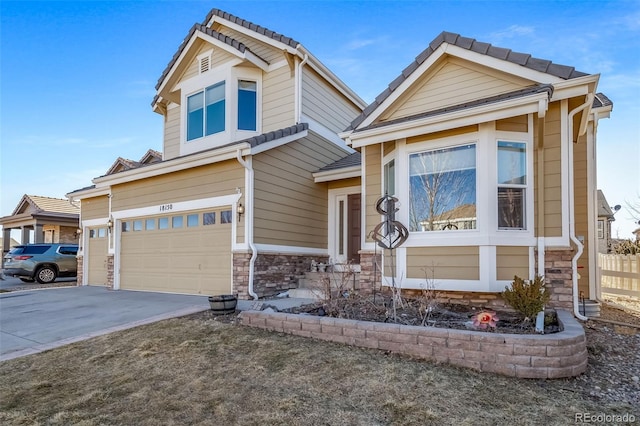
(490, 153)
(249, 114)
(605, 217)
(466, 125)
(41, 220)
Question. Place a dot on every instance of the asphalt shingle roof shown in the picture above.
(251, 26)
(350, 160)
(522, 59)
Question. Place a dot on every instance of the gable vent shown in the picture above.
(204, 64)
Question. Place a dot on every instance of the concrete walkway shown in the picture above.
(39, 320)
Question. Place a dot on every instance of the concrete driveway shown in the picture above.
(35, 321)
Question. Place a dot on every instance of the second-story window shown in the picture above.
(247, 105)
(206, 112)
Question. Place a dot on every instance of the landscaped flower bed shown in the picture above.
(557, 355)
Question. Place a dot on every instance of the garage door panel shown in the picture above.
(97, 256)
(192, 260)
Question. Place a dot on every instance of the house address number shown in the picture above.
(166, 207)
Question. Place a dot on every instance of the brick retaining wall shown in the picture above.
(550, 356)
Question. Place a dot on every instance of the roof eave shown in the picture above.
(534, 103)
(337, 174)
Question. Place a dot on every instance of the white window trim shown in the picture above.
(487, 232)
(230, 74)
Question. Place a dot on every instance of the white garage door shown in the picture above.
(178, 253)
(98, 245)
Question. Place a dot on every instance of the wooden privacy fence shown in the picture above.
(620, 274)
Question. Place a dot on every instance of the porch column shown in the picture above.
(24, 238)
(39, 234)
(6, 242)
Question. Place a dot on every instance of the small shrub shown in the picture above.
(527, 297)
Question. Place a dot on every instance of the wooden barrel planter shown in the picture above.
(223, 304)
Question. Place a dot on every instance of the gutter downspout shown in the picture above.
(572, 225)
(299, 88)
(249, 222)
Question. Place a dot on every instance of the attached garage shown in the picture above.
(98, 261)
(186, 252)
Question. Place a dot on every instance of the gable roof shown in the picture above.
(39, 204)
(123, 164)
(523, 59)
(251, 26)
(603, 206)
(288, 44)
(351, 160)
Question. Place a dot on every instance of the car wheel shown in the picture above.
(46, 275)
(27, 280)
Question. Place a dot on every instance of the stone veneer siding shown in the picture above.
(110, 271)
(80, 274)
(273, 272)
(559, 277)
(551, 356)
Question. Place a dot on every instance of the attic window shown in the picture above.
(204, 61)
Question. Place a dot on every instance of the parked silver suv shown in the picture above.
(42, 262)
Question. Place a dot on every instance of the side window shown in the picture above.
(71, 250)
(247, 105)
(390, 177)
(512, 184)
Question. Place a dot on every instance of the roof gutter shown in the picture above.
(572, 225)
(248, 200)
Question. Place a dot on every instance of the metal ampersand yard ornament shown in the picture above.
(389, 234)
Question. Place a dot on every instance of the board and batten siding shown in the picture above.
(511, 261)
(444, 263)
(218, 58)
(208, 181)
(172, 132)
(455, 82)
(278, 99)
(552, 173)
(94, 208)
(325, 104)
(290, 209)
(372, 156)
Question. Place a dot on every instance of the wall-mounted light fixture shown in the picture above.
(79, 231)
(240, 211)
(110, 224)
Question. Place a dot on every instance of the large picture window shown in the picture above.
(443, 189)
(247, 105)
(206, 112)
(512, 184)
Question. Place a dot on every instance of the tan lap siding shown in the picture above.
(511, 261)
(373, 190)
(290, 208)
(514, 124)
(454, 82)
(324, 103)
(552, 173)
(199, 182)
(344, 183)
(445, 263)
(443, 134)
(278, 95)
(263, 50)
(94, 208)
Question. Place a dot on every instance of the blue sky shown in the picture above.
(77, 78)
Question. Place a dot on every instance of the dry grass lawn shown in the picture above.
(196, 370)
